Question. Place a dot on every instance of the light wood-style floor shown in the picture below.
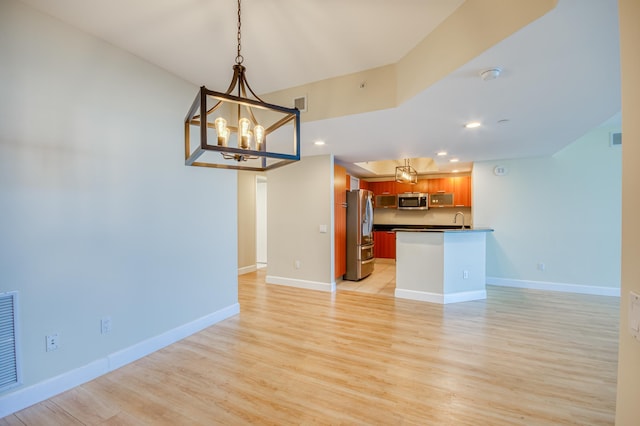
(295, 356)
(381, 282)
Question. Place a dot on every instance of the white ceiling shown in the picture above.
(561, 73)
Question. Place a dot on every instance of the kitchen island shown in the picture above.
(441, 265)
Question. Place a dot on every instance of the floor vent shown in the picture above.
(615, 139)
(300, 103)
(9, 359)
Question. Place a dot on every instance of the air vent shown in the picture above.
(9, 360)
(615, 139)
(300, 103)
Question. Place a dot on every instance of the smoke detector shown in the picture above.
(490, 74)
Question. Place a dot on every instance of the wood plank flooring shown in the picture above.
(381, 282)
(293, 356)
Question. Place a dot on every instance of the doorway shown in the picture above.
(261, 222)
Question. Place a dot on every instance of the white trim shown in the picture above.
(309, 285)
(442, 299)
(550, 286)
(247, 269)
(46, 389)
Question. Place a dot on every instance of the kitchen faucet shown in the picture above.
(455, 218)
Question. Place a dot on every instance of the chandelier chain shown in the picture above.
(239, 58)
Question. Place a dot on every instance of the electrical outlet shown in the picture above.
(465, 274)
(105, 325)
(53, 342)
(297, 264)
(541, 266)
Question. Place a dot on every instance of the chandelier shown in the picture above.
(406, 173)
(246, 132)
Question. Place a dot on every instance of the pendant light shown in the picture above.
(247, 133)
(406, 173)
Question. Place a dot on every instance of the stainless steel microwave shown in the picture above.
(413, 201)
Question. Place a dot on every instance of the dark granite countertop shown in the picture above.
(428, 228)
(416, 227)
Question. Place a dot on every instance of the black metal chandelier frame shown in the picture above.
(238, 157)
(406, 173)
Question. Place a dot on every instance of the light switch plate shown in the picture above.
(634, 314)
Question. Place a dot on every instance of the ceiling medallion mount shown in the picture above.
(490, 74)
(250, 133)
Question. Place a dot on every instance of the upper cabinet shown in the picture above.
(422, 186)
(462, 191)
(444, 185)
(401, 188)
(392, 187)
(459, 186)
(380, 188)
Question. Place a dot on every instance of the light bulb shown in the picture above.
(243, 132)
(225, 137)
(258, 132)
(221, 130)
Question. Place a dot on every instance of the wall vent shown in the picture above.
(300, 103)
(615, 139)
(10, 374)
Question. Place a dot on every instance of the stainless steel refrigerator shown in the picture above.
(359, 234)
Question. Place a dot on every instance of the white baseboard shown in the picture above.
(247, 269)
(25, 397)
(309, 285)
(550, 286)
(442, 299)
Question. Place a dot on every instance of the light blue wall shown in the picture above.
(98, 214)
(563, 211)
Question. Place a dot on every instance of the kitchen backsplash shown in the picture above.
(436, 216)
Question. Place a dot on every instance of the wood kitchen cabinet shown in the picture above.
(384, 244)
(385, 187)
(440, 185)
(401, 188)
(371, 186)
(392, 187)
(462, 191)
(460, 186)
(422, 186)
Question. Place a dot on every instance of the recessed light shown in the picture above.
(454, 160)
(472, 125)
(441, 153)
(455, 171)
(318, 143)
